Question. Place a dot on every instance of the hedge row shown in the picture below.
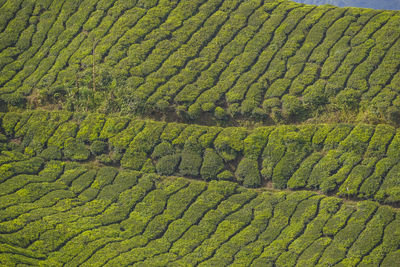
(70, 213)
(268, 60)
(352, 161)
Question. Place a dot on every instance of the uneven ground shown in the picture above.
(198, 132)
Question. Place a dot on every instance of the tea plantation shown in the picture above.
(266, 60)
(198, 133)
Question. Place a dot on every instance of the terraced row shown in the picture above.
(270, 60)
(352, 161)
(62, 213)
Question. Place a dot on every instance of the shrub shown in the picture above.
(229, 142)
(75, 149)
(190, 164)
(256, 141)
(194, 111)
(206, 107)
(358, 138)
(193, 145)
(393, 115)
(314, 95)
(134, 160)
(271, 103)
(148, 167)
(220, 113)
(113, 126)
(212, 165)
(161, 150)
(172, 131)
(248, 173)
(348, 99)
(91, 127)
(105, 159)
(98, 147)
(51, 153)
(9, 122)
(226, 175)
(167, 165)
(292, 108)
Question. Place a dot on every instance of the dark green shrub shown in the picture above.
(167, 165)
(190, 164)
(98, 147)
(348, 99)
(323, 169)
(75, 149)
(292, 108)
(220, 113)
(212, 165)
(248, 173)
(51, 153)
(320, 136)
(314, 95)
(256, 141)
(134, 160)
(105, 159)
(226, 175)
(190, 132)
(192, 145)
(9, 122)
(148, 167)
(271, 103)
(206, 140)
(194, 111)
(229, 142)
(161, 150)
(393, 114)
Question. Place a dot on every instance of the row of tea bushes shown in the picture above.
(269, 60)
(359, 161)
(79, 214)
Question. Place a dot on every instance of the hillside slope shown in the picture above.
(272, 60)
(78, 215)
(357, 161)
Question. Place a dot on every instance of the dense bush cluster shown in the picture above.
(276, 60)
(90, 183)
(55, 213)
(353, 161)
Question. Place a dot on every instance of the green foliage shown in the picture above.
(98, 147)
(220, 113)
(292, 108)
(229, 142)
(348, 99)
(247, 172)
(226, 175)
(75, 149)
(168, 164)
(51, 153)
(212, 165)
(190, 164)
(161, 150)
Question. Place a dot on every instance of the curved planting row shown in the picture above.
(56, 213)
(270, 60)
(360, 161)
